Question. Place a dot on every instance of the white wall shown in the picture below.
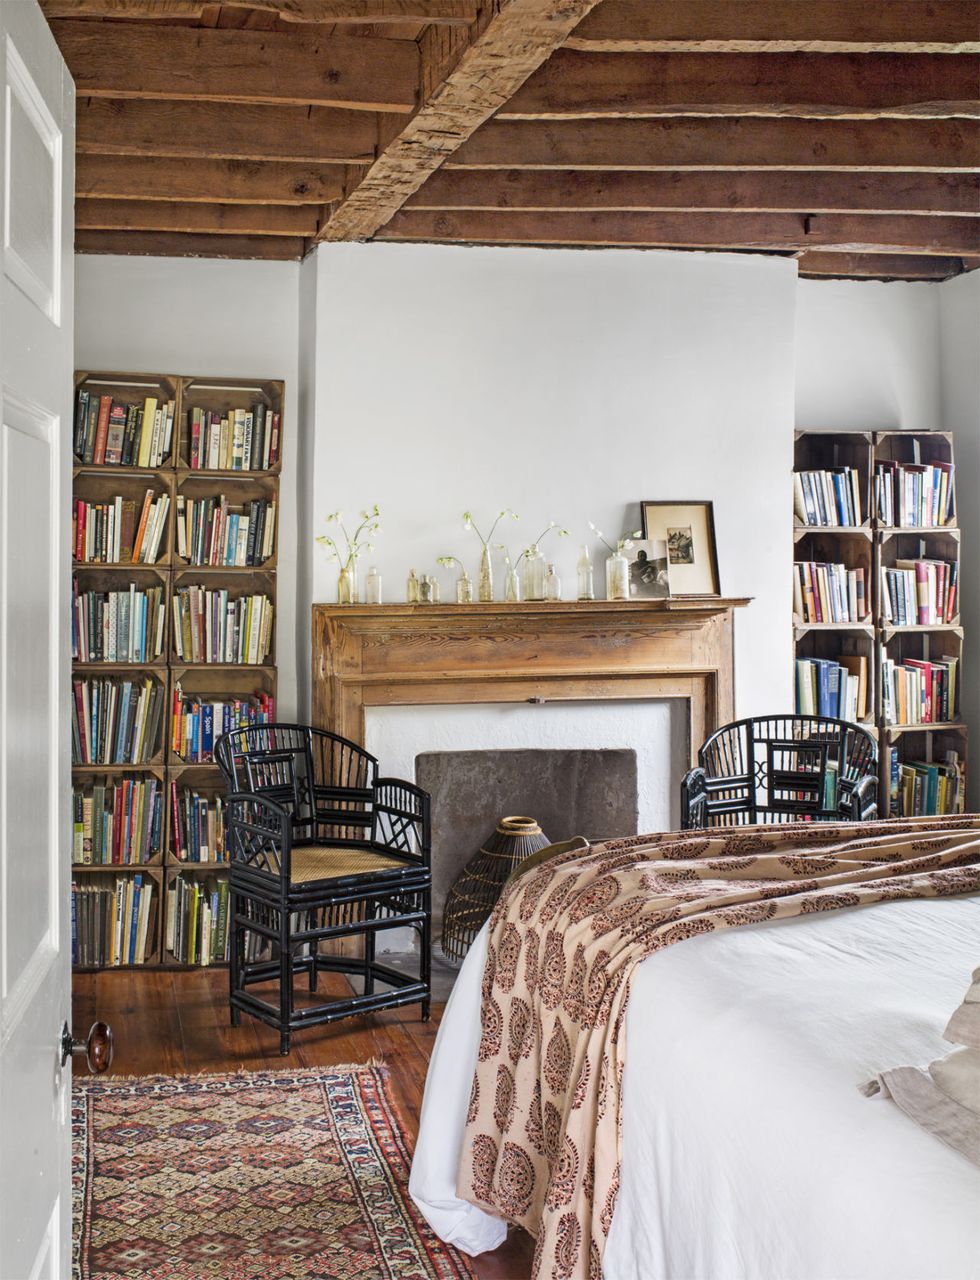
(207, 317)
(569, 386)
(959, 332)
(867, 356)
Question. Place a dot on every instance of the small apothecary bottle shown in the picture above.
(372, 587)
(617, 577)
(464, 588)
(412, 593)
(533, 573)
(552, 584)
(585, 583)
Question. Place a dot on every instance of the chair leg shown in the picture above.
(313, 956)
(425, 958)
(369, 940)
(285, 981)
(235, 959)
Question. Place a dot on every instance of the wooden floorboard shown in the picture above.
(176, 1023)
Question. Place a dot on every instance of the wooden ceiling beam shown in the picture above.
(131, 60)
(872, 233)
(316, 135)
(167, 244)
(730, 84)
(439, 12)
(230, 181)
(878, 266)
(755, 191)
(774, 26)
(738, 143)
(510, 41)
(190, 217)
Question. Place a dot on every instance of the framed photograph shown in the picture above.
(688, 529)
(649, 570)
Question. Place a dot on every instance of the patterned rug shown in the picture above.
(275, 1175)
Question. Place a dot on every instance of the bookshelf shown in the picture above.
(125, 831)
(893, 496)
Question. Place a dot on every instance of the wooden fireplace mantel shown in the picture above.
(423, 655)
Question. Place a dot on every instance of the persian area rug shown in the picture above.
(274, 1175)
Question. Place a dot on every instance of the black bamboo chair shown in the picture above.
(320, 848)
(775, 769)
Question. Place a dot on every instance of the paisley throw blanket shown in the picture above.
(542, 1140)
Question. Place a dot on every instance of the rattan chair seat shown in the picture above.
(327, 862)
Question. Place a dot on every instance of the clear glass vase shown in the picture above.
(464, 588)
(533, 570)
(372, 587)
(512, 586)
(485, 580)
(347, 585)
(552, 584)
(617, 577)
(585, 583)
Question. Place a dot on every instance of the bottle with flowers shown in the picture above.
(484, 588)
(526, 574)
(346, 553)
(617, 565)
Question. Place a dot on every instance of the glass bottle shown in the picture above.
(617, 577)
(512, 586)
(372, 588)
(347, 585)
(464, 588)
(412, 594)
(552, 584)
(425, 589)
(585, 583)
(486, 577)
(532, 574)
(434, 589)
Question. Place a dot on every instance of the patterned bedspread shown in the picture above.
(542, 1143)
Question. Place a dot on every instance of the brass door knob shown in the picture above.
(97, 1049)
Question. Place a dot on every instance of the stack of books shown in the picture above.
(199, 720)
(111, 924)
(198, 833)
(829, 592)
(197, 920)
(118, 825)
(915, 691)
(921, 787)
(209, 532)
(838, 690)
(236, 440)
(828, 498)
(109, 532)
(111, 433)
(914, 495)
(117, 626)
(211, 627)
(919, 592)
(115, 721)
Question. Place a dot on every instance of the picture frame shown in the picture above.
(649, 571)
(688, 529)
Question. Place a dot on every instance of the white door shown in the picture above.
(37, 131)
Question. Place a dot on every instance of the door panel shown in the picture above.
(36, 239)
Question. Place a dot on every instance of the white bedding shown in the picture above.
(748, 1150)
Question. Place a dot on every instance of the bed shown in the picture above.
(748, 1150)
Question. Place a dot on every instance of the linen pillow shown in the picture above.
(944, 1098)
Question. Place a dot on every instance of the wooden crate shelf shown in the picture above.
(100, 483)
(881, 546)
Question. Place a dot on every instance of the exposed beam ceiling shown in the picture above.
(872, 233)
(756, 190)
(504, 49)
(211, 131)
(775, 26)
(230, 181)
(439, 12)
(846, 134)
(733, 143)
(132, 60)
(736, 84)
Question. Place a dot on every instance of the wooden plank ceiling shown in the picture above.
(842, 132)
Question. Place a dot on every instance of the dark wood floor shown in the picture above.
(176, 1023)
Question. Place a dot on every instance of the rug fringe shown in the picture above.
(372, 1064)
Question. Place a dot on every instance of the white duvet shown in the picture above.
(748, 1150)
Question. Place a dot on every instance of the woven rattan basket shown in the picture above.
(474, 892)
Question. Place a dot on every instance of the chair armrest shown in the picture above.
(401, 818)
(258, 833)
(694, 799)
(864, 799)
